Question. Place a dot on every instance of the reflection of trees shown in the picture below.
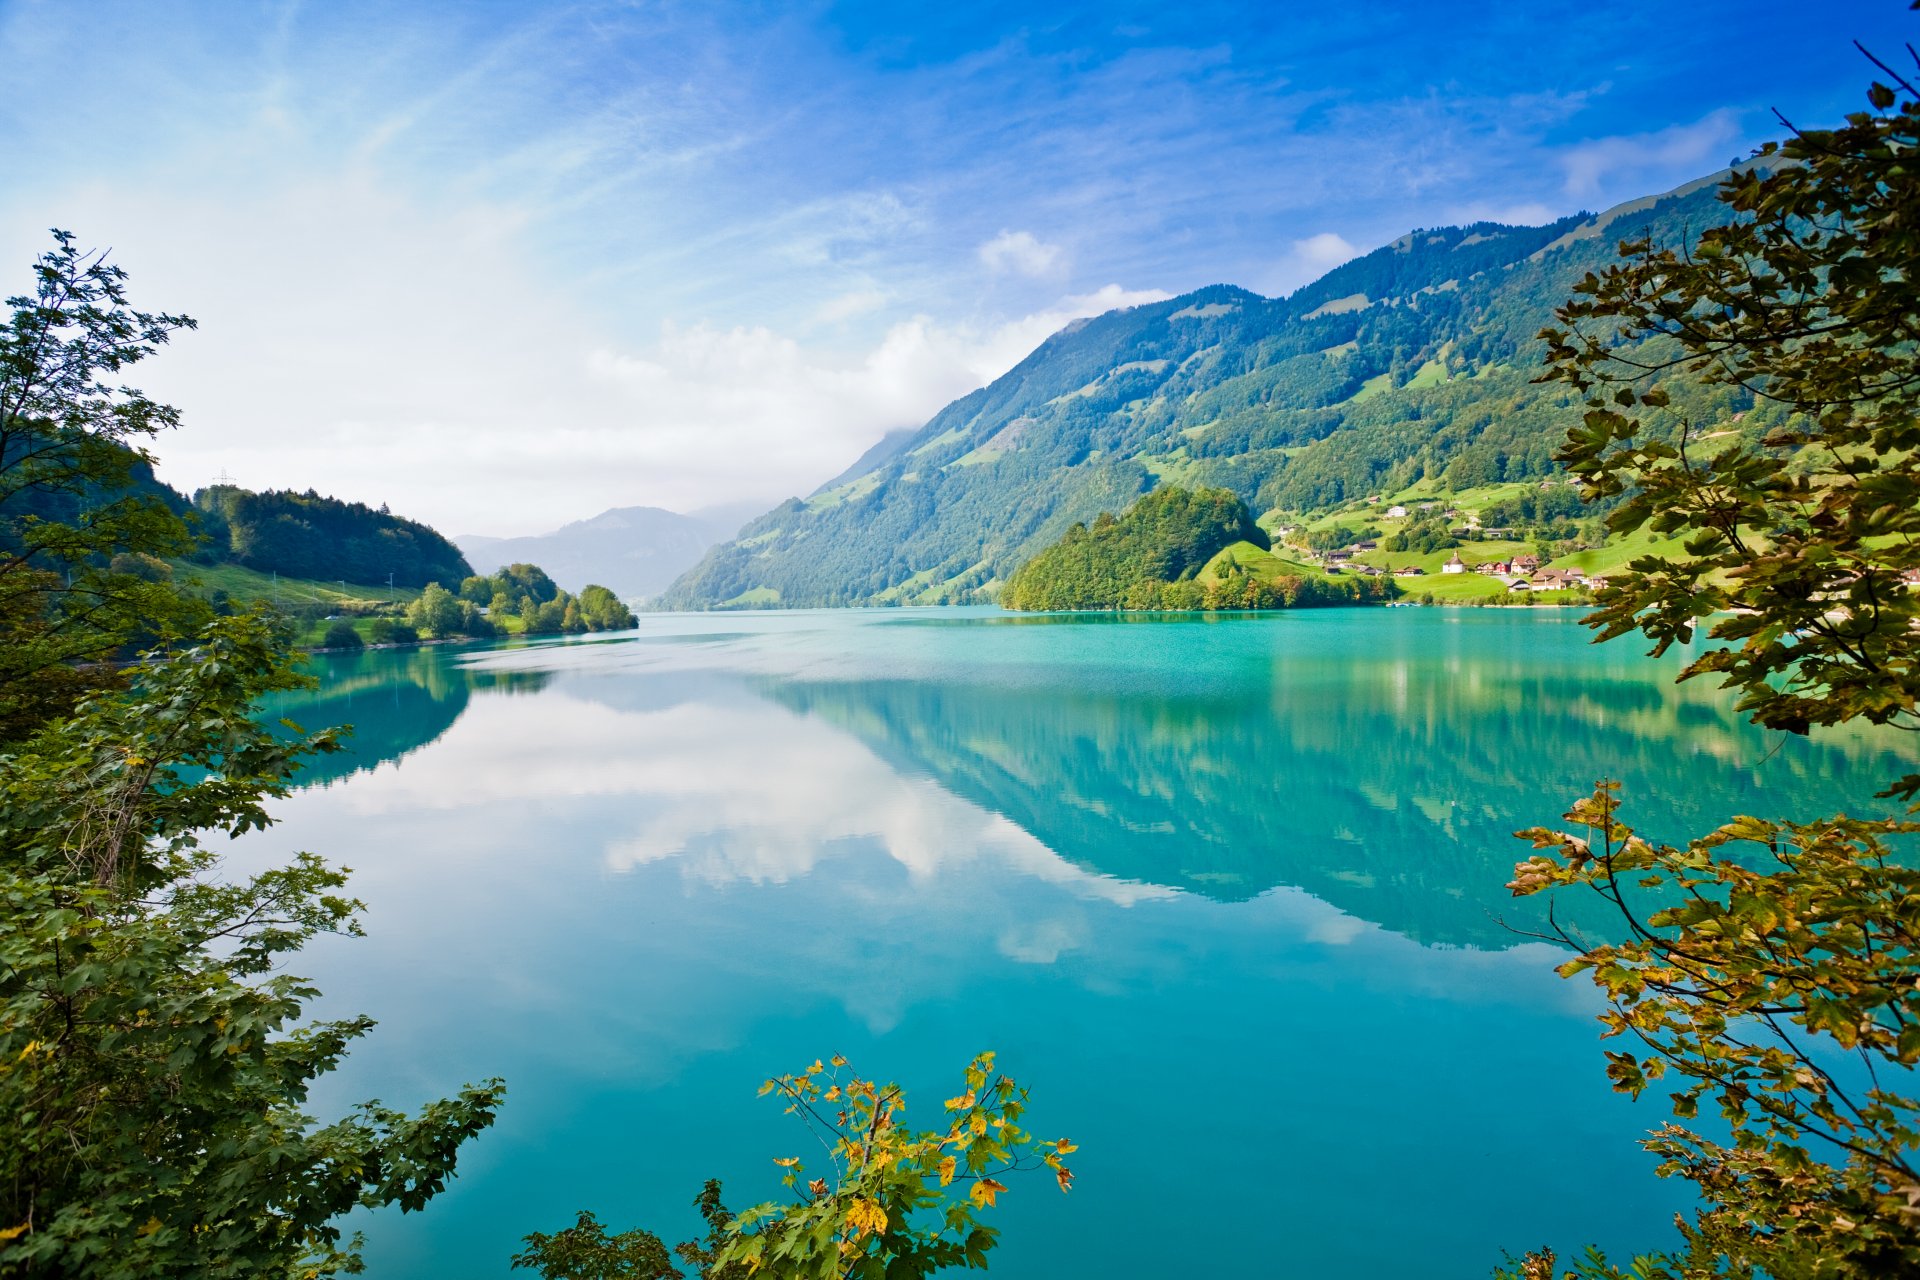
(1386, 784)
(397, 700)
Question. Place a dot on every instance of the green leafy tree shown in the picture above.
(153, 1061)
(436, 612)
(1766, 970)
(894, 1203)
(1796, 543)
(341, 635)
(72, 448)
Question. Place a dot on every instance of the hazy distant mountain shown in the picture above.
(632, 551)
(1413, 364)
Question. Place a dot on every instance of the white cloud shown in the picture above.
(1531, 213)
(1308, 260)
(1673, 154)
(385, 350)
(1021, 253)
(850, 305)
(741, 793)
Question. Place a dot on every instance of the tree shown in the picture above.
(153, 1064)
(890, 1206)
(436, 612)
(1772, 967)
(342, 635)
(1797, 542)
(72, 445)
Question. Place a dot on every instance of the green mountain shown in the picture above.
(1413, 364)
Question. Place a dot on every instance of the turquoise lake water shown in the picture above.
(1226, 893)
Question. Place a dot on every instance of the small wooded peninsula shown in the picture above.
(1178, 549)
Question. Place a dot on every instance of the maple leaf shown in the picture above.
(985, 1190)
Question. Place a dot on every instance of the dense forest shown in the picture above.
(306, 535)
(1414, 364)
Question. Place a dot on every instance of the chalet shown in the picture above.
(1559, 578)
(1497, 568)
(1454, 565)
(1410, 571)
(1338, 557)
(1396, 512)
(1526, 563)
(1366, 545)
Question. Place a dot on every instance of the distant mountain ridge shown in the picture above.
(633, 551)
(1411, 363)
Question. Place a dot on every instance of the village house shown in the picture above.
(1410, 571)
(1526, 562)
(1396, 512)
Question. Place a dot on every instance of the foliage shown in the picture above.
(895, 1203)
(152, 1062)
(1798, 541)
(341, 635)
(1780, 937)
(440, 613)
(1769, 967)
(526, 592)
(585, 1251)
(1166, 537)
(306, 535)
(388, 631)
(75, 489)
(1423, 534)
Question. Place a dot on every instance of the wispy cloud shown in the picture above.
(422, 240)
(1663, 156)
(1023, 253)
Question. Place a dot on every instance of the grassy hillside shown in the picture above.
(241, 583)
(1405, 372)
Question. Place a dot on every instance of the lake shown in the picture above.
(1225, 892)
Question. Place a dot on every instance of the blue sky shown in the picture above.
(507, 265)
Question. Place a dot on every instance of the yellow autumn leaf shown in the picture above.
(838, 1061)
(1064, 1147)
(962, 1102)
(1064, 1177)
(947, 1167)
(12, 1232)
(866, 1216)
(787, 1162)
(979, 1125)
(152, 1225)
(985, 1190)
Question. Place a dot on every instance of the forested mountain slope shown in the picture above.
(308, 535)
(1412, 363)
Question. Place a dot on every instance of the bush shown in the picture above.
(341, 635)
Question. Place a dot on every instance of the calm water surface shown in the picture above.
(1227, 894)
